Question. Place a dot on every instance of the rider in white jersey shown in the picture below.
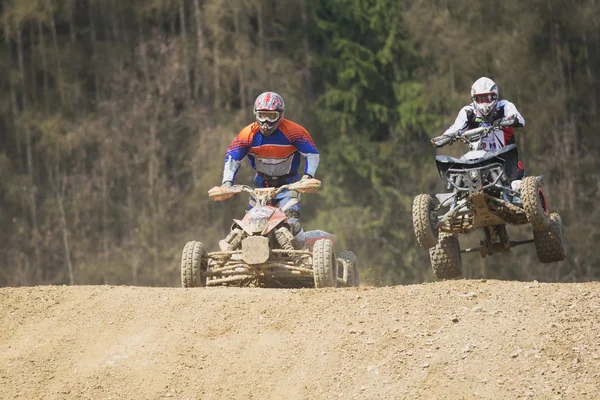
(487, 110)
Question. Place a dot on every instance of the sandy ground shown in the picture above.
(448, 340)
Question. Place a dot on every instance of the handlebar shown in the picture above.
(219, 193)
(466, 136)
(476, 133)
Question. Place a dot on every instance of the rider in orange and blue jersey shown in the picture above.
(275, 147)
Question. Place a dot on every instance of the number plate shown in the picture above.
(255, 249)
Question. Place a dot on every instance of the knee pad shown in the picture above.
(292, 214)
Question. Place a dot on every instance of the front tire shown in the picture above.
(535, 204)
(423, 214)
(550, 245)
(324, 264)
(194, 260)
(446, 260)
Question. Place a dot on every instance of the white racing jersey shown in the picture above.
(469, 118)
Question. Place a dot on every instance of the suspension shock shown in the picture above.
(284, 238)
(234, 239)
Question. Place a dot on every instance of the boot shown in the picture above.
(516, 187)
(299, 241)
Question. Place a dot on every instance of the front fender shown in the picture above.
(277, 218)
(243, 225)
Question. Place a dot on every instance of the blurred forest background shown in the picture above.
(115, 116)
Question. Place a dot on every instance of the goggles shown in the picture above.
(266, 115)
(485, 98)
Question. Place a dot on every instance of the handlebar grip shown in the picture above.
(441, 141)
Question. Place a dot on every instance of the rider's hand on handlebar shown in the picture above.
(227, 184)
(441, 141)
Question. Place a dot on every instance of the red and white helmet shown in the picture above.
(268, 111)
(484, 94)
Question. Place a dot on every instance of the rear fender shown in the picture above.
(312, 236)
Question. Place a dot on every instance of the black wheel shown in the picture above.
(551, 245)
(446, 260)
(194, 261)
(535, 204)
(424, 219)
(348, 259)
(324, 264)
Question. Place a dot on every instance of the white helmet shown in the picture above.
(484, 94)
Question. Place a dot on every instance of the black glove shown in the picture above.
(227, 184)
(506, 121)
(441, 141)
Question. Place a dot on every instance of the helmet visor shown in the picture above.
(485, 98)
(266, 115)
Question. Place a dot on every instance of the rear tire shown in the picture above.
(349, 258)
(194, 260)
(324, 264)
(535, 204)
(551, 245)
(446, 260)
(423, 215)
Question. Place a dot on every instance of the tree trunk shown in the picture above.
(201, 76)
(44, 62)
(32, 70)
(153, 172)
(217, 75)
(35, 235)
(72, 25)
(13, 100)
(131, 223)
(186, 57)
(59, 188)
(105, 253)
(261, 30)
(123, 23)
(590, 76)
(94, 51)
(307, 54)
(59, 74)
(238, 58)
(114, 21)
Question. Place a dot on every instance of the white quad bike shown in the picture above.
(260, 249)
(481, 197)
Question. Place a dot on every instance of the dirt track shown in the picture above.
(447, 340)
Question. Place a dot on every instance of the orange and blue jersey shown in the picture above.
(274, 156)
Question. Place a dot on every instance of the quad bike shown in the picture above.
(481, 197)
(261, 251)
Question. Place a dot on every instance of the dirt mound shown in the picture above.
(447, 340)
